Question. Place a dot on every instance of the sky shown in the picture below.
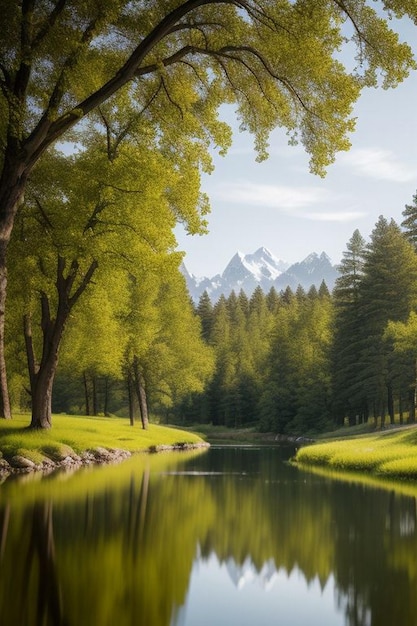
(278, 204)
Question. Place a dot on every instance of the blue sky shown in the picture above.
(280, 205)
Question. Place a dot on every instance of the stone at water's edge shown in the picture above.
(97, 456)
(21, 462)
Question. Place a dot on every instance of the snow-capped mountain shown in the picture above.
(248, 573)
(311, 271)
(247, 271)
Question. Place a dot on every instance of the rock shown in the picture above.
(88, 457)
(21, 462)
(101, 454)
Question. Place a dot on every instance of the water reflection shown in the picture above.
(232, 535)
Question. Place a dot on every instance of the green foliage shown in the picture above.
(278, 65)
(118, 214)
(305, 362)
(376, 290)
(409, 223)
(297, 387)
(137, 87)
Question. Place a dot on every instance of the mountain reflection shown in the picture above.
(125, 551)
(248, 573)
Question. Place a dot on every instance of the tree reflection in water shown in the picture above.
(124, 553)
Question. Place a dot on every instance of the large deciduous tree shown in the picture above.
(98, 220)
(176, 62)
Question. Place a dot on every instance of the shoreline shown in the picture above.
(99, 455)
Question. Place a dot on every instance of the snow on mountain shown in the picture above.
(311, 271)
(248, 573)
(261, 268)
(264, 265)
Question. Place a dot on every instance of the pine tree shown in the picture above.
(348, 394)
(205, 313)
(409, 223)
(388, 291)
(273, 300)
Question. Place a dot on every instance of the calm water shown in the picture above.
(231, 536)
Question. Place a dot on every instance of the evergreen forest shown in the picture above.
(293, 362)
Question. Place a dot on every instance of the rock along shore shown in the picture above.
(19, 464)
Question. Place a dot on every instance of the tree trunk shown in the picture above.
(413, 395)
(412, 412)
(143, 405)
(5, 410)
(42, 379)
(383, 415)
(94, 392)
(390, 400)
(141, 395)
(106, 397)
(131, 396)
(86, 394)
(12, 185)
(400, 408)
(42, 395)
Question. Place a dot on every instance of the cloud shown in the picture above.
(270, 196)
(378, 163)
(334, 216)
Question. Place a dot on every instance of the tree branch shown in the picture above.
(168, 95)
(45, 134)
(38, 140)
(23, 73)
(92, 220)
(49, 22)
(46, 312)
(30, 352)
(43, 213)
(84, 283)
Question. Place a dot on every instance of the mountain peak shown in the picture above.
(262, 251)
(262, 268)
(314, 258)
(311, 258)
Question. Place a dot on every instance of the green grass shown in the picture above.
(71, 435)
(392, 454)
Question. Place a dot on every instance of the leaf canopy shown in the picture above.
(280, 63)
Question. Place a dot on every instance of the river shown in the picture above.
(229, 536)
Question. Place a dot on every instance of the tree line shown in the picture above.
(300, 362)
(294, 361)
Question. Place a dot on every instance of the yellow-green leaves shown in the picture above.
(179, 61)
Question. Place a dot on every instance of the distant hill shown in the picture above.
(247, 271)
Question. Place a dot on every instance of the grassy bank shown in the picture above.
(72, 436)
(388, 453)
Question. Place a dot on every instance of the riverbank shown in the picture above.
(390, 453)
(75, 441)
(222, 435)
